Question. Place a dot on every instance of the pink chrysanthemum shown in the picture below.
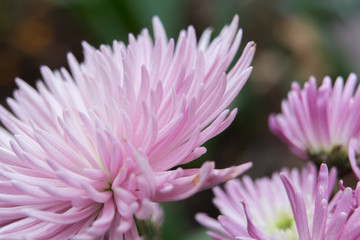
(289, 206)
(318, 123)
(90, 150)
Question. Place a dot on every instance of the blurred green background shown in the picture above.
(295, 39)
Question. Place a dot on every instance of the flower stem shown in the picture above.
(148, 229)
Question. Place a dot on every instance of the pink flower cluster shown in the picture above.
(90, 149)
(319, 124)
(90, 153)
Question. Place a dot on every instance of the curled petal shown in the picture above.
(194, 180)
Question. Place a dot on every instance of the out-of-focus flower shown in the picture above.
(88, 151)
(318, 123)
(290, 205)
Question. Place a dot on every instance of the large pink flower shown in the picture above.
(89, 150)
(291, 205)
(318, 123)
